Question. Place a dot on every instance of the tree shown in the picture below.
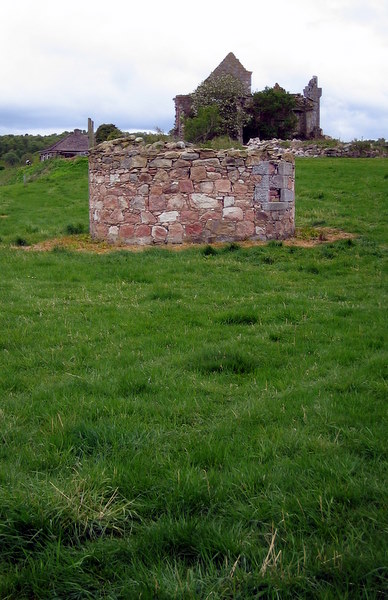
(27, 145)
(11, 157)
(204, 126)
(107, 131)
(226, 93)
(272, 113)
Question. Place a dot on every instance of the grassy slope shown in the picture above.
(41, 201)
(186, 424)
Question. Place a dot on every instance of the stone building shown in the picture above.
(173, 193)
(74, 144)
(307, 109)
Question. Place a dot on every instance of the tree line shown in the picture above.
(17, 149)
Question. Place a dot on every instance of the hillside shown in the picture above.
(43, 201)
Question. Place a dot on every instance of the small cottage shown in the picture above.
(75, 144)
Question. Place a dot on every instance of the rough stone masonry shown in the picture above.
(172, 193)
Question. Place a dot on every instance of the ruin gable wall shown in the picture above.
(169, 193)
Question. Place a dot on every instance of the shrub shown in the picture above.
(360, 147)
(209, 251)
(11, 158)
(19, 241)
(75, 229)
(204, 126)
(232, 247)
(107, 131)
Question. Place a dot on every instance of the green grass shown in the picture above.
(195, 424)
(43, 201)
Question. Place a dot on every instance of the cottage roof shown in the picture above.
(74, 142)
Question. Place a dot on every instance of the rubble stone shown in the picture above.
(169, 193)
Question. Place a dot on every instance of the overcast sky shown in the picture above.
(123, 61)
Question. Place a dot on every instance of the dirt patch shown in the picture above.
(305, 238)
(313, 236)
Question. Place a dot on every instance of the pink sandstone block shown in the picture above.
(233, 213)
(240, 188)
(175, 233)
(159, 234)
(223, 186)
(176, 202)
(156, 190)
(157, 203)
(210, 215)
(127, 231)
(114, 216)
(205, 187)
(198, 173)
(245, 229)
(186, 186)
(132, 218)
(148, 218)
(194, 231)
(142, 231)
(189, 216)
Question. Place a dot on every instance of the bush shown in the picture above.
(204, 126)
(11, 158)
(360, 147)
(107, 131)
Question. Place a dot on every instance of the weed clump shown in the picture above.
(232, 247)
(72, 229)
(209, 251)
(268, 260)
(216, 360)
(242, 318)
(20, 241)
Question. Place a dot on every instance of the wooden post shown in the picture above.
(91, 132)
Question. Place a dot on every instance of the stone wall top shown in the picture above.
(132, 145)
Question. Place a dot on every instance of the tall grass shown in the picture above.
(198, 424)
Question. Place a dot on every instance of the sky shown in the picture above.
(123, 61)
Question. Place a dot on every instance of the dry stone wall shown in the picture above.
(171, 193)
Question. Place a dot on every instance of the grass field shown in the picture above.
(208, 423)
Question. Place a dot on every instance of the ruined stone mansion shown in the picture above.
(307, 105)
